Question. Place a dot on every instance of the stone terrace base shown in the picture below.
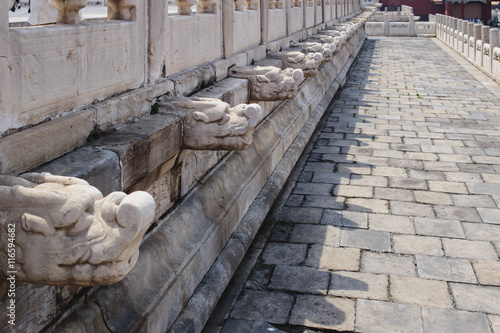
(175, 258)
(392, 224)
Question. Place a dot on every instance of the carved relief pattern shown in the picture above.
(270, 83)
(210, 124)
(66, 233)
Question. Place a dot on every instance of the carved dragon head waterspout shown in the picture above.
(65, 233)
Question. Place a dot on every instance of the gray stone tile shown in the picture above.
(344, 218)
(388, 263)
(323, 312)
(447, 187)
(487, 272)
(358, 285)
(284, 254)
(489, 215)
(330, 178)
(294, 200)
(353, 191)
(323, 201)
(462, 214)
(435, 198)
(408, 183)
(410, 244)
(383, 317)
(389, 171)
(236, 325)
(391, 223)
(413, 290)
(281, 232)
(301, 215)
(482, 231)
(436, 227)
(306, 280)
(335, 258)
(367, 205)
(443, 320)
(481, 188)
(259, 278)
(476, 298)
(263, 327)
(428, 175)
(475, 201)
(365, 239)
(446, 269)
(312, 188)
(319, 234)
(319, 166)
(393, 194)
(273, 307)
(411, 209)
(463, 177)
(468, 249)
(495, 323)
(364, 180)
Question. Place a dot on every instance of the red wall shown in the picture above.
(420, 7)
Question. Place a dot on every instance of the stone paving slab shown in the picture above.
(393, 220)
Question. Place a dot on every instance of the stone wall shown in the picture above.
(89, 111)
(477, 43)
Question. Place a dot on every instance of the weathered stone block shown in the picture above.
(125, 108)
(191, 81)
(100, 168)
(230, 90)
(30, 148)
(143, 146)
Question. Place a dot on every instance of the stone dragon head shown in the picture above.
(211, 124)
(65, 233)
(269, 83)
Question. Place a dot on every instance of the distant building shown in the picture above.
(466, 9)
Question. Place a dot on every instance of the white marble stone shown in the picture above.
(308, 63)
(210, 124)
(66, 233)
(270, 83)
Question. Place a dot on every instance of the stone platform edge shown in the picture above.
(179, 253)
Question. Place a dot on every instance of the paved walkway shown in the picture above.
(393, 220)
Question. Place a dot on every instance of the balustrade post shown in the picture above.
(206, 6)
(184, 6)
(477, 32)
(68, 11)
(121, 10)
(485, 34)
(494, 38)
(251, 4)
(5, 86)
(239, 5)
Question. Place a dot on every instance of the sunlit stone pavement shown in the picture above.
(390, 221)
